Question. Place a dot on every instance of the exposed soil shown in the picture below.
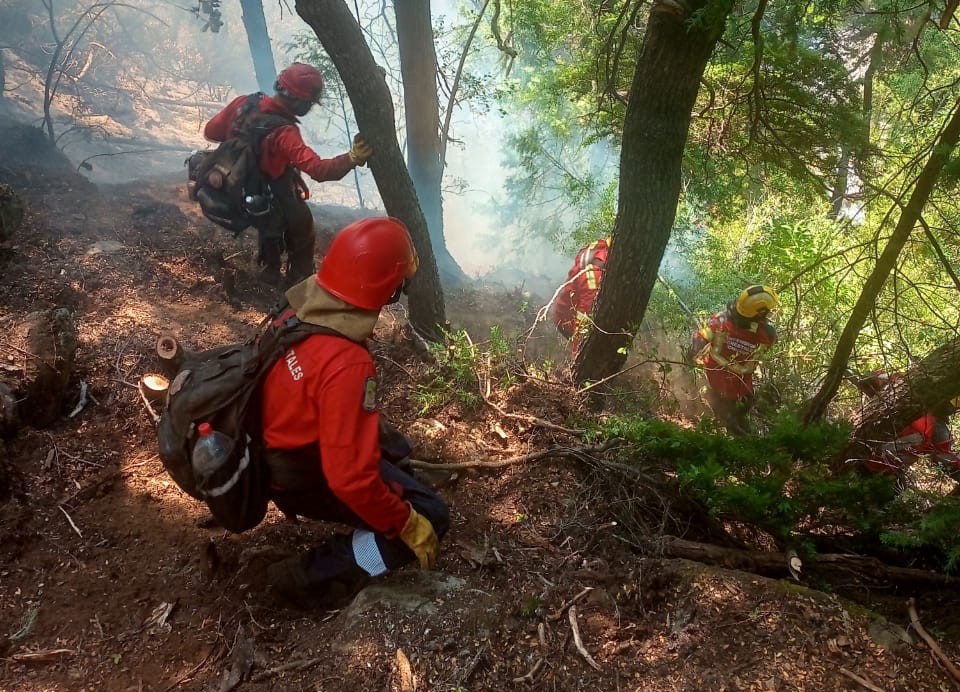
(110, 580)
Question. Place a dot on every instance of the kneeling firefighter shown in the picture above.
(321, 426)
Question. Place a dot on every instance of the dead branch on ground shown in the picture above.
(578, 641)
(552, 451)
(931, 642)
(861, 681)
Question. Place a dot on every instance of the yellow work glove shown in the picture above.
(360, 151)
(420, 537)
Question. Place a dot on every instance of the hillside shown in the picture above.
(113, 580)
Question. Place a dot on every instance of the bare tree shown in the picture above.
(341, 37)
(259, 41)
(425, 149)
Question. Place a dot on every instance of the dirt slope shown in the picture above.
(109, 579)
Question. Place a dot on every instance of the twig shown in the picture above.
(533, 420)
(60, 507)
(190, 673)
(937, 651)
(146, 402)
(27, 353)
(532, 673)
(861, 681)
(471, 669)
(83, 400)
(577, 641)
(46, 656)
(554, 451)
(299, 664)
(559, 613)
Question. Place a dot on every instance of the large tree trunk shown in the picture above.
(343, 41)
(418, 66)
(939, 155)
(663, 94)
(259, 41)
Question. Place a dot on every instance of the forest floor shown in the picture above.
(111, 580)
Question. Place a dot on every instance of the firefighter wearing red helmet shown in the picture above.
(321, 426)
(283, 157)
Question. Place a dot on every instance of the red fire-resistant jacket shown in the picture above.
(583, 283)
(926, 436)
(322, 392)
(741, 343)
(281, 148)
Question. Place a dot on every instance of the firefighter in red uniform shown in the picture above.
(735, 338)
(283, 156)
(927, 436)
(571, 312)
(320, 426)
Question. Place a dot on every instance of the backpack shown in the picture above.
(221, 386)
(227, 181)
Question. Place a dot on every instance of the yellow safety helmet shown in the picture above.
(756, 301)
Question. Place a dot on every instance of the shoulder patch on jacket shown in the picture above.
(370, 394)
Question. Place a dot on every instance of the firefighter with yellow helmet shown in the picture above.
(733, 340)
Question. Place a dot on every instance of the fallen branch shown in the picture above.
(931, 642)
(531, 674)
(577, 641)
(299, 664)
(83, 400)
(861, 681)
(559, 614)
(60, 507)
(533, 420)
(776, 564)
(45, 656)
(553, 451)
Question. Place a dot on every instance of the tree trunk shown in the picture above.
(340, 35)
(663, 94)
(258, 39)
(939, 155)
(418, 66)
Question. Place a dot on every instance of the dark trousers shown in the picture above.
(306, 493)
(288, 226)
(732, 413)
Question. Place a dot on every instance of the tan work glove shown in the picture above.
(420, 537)
(360, 151)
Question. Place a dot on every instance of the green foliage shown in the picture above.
(784, 484)
(462, 367)
(927, 522)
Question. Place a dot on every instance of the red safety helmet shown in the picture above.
(368, 262)
(301, 82)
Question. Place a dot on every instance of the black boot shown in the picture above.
(297, 582)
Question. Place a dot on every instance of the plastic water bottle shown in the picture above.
(210, 453)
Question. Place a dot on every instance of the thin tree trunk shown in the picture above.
(418, 66)
(342, 39)
(939, 155)
(259, 41)
(665, 87)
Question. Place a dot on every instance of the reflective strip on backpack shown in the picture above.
(232, 481)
